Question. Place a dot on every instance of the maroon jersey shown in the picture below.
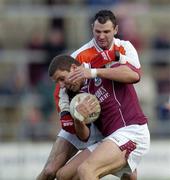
(119, 104)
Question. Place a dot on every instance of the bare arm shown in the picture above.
(82, 130)
(121, 73)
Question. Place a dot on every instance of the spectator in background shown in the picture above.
(102, 2)
(1, 46)
(161, 40)
(30, 126)
(55, 42)
(45, 90)
(42, 50)
(36, 69)
(54, 45)
(161, 47)
(161, 70)
(34, 126)
(14, 85)
(167, 105)
(131, 33)
(45, 50)
(164, 110)
(55, 2)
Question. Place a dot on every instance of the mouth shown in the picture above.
(102, 42)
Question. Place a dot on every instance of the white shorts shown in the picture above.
(95, 136)
(139, 134)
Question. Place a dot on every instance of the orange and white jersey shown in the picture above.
(85, 54)
(128, 53)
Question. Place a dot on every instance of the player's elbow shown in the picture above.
(129, 75)
(136, 78)
(132, 77)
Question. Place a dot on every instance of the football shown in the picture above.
(79, 98)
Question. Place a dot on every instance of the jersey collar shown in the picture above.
(100, 49)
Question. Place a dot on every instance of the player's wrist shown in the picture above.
(93, 72)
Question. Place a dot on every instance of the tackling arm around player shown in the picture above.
(122, 122)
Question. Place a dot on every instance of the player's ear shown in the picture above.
(92, 25)
(116, 29)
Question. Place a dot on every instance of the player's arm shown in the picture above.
(82, 130)
(63, 107)
(127, 70)
(121, 73)
(124, 68)
(67, 122)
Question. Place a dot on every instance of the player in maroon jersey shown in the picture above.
(122, 122)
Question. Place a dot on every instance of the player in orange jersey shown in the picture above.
(101, 48)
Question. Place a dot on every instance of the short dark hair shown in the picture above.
(61, 62)
(104, 15)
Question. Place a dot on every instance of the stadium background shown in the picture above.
(32, 32)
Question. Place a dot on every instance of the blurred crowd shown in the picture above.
(27, 108)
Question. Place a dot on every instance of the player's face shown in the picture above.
(61, 77)
(104, 33)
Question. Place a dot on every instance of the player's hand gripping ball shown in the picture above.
(76, 115)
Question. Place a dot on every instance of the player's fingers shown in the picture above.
(87, 107)
(92, 99)
(74, 75)
(92, 102)
(83, 110)
(86, 99)
(95, 108)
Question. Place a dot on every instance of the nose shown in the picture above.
(102, 36)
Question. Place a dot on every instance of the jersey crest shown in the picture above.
(97, 81)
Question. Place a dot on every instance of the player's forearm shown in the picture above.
(82, 131)
(121, 74)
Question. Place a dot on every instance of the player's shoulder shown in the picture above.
(83, 49)
(120, 42)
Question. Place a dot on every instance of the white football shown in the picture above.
(79, 98)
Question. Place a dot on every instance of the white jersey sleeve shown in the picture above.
(130, 56)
